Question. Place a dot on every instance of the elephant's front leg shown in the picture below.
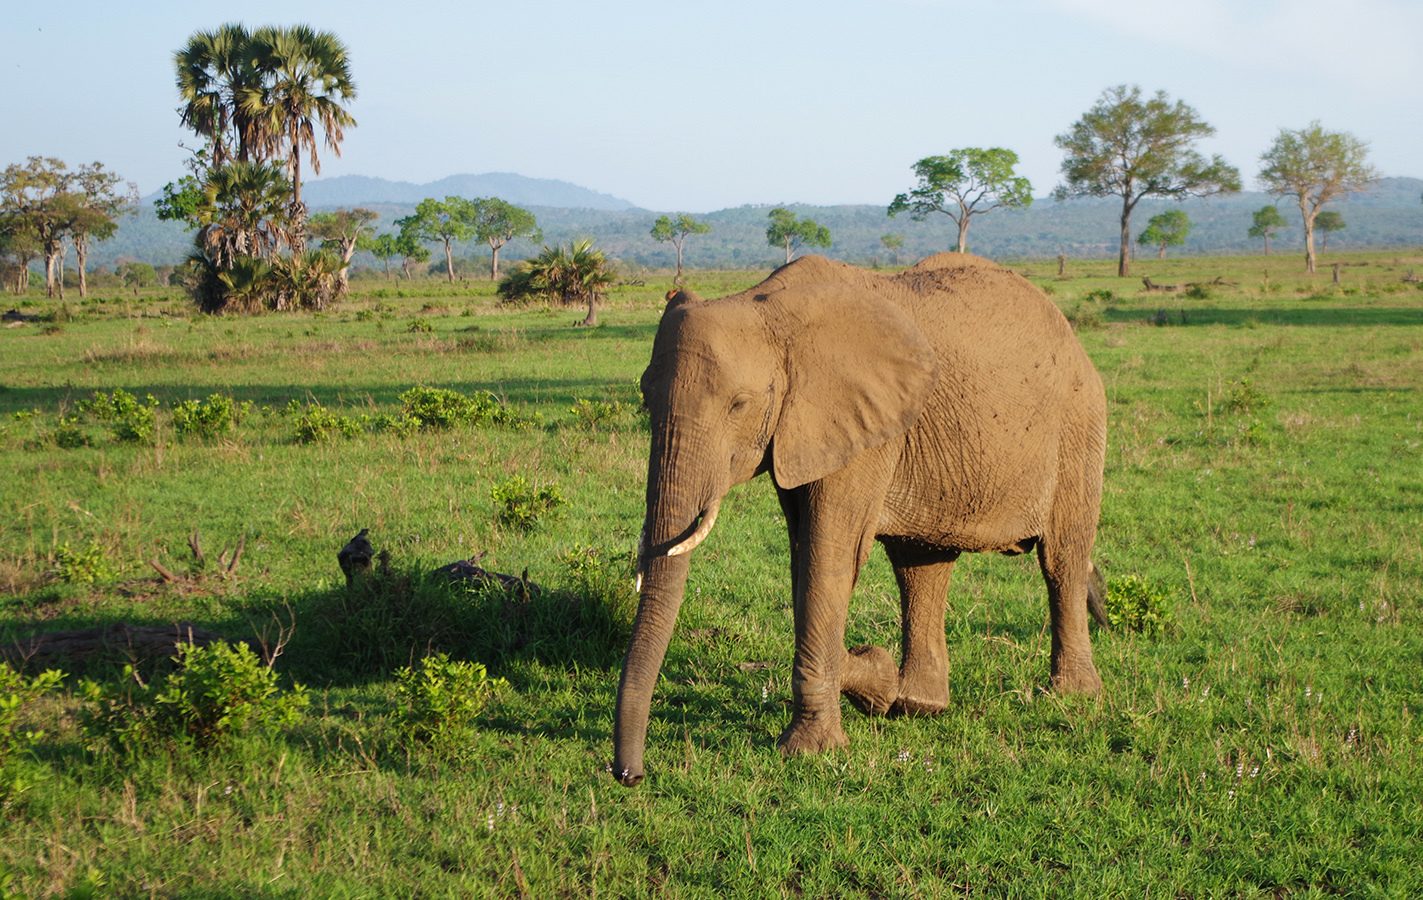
(831, 539)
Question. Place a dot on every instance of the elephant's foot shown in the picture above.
(921, 694)
(870, 680)
(1080, 678)
(812, 734)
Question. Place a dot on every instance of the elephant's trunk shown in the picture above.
(682, 505)
(658, 604)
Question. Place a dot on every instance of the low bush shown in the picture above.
(214, 693)
(1135, 604)
(525, 504)
(439, 697)
(210, 417)
(17, 692)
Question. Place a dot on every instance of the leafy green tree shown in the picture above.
(963, 184)
(18, 248)
(792, 233)
(1315, 166)
(101, 201)
(497, 222)
(341, 233)
(893, 243)
(1328, 222)
(1265, 222)
(305, 76)
(36, 200)
(441, 221)
(1130, 147)
(1168, 229)
(676, 231)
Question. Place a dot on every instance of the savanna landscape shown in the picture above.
(318, 548)
(1257, 734)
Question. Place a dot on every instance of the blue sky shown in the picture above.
(696, 107)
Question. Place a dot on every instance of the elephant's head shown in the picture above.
(792, 378)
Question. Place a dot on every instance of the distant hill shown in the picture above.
(1390, 215)
(357, 190)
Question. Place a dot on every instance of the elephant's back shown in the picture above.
(966, 304)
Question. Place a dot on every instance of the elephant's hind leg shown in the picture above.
(1067, 571)
(869, 679)
(923, 575)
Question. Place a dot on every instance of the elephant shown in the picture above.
(946, 409)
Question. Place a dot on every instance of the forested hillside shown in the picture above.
(1389, 215)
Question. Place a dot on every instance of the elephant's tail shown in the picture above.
(1096, 596)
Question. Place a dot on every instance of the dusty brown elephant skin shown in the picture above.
(944, 410)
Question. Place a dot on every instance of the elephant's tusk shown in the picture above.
(704, 529)
(641, 560)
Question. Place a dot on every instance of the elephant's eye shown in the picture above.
(739, 405)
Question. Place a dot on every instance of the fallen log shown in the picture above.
(132, 642)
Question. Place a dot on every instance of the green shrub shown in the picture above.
(1136, 605)
(1101, 295)
(1084, 316)
(523, 504)
(318, 424)
(216, 692)
(419, 326)
(441, 408)
(1243, 397)
(439, 697)
(69, 435)
(1198, 292)
(133, 421)
(88, 566)
(210, 417)
(592, 414)
(16, 692)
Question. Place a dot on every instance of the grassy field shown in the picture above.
(1264, 482)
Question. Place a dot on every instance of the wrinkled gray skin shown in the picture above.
(947, 409)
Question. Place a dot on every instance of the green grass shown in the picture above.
(1265, 744)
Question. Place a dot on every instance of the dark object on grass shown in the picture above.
(356, 556)
(14, 315)
(466, 570)
(132, 642)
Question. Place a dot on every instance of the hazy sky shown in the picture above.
(695, 107)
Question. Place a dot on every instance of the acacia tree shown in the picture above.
(1168, 229)
(341, 231)
(37, 201)
(676, 231)
(893, 243)
(1327, 223)
(1315, 166)
(441, 221)
(792, 233)
(964, 184)
(1266, 221)
(1129, 147)
(101, 202)
(497, 222)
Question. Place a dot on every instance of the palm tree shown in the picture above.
(244, 213)
(216, 76)
(306, 75)
(578, 273)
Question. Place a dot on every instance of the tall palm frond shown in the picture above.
(215, 73)
(306, 76)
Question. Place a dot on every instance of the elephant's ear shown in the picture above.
(859, 372)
